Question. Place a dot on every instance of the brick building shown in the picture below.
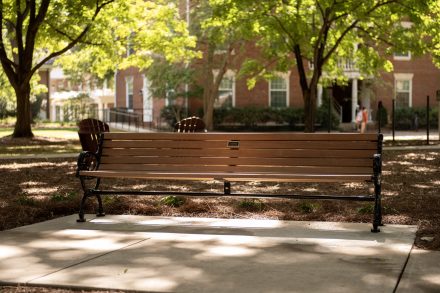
(412, 79)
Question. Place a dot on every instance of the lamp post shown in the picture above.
(437, 94)
(393, 117)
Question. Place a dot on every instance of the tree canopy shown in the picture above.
(35, 32)
(315, 36)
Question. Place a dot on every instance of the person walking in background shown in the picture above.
(364, 119)
(358, 119)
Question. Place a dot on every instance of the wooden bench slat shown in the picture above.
(348, 145)
(227, 176)
(218, 161)
(213, 146)
(244, 136)
(238, 169)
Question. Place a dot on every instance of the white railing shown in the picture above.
(346, 64)
(337, 108)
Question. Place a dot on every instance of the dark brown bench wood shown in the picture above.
(190, 124)
(229, 157)
(89, 131)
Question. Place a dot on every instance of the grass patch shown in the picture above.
(366, 209)
(308, 207)
(253, 205)
(60, 197)
(173, 201)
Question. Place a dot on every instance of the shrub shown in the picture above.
(251, 117)
(172, 113)
(414, 118)
(322, 116)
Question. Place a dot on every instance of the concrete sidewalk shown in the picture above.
(168, 254)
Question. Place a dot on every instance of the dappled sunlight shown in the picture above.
(31, 183)
(390, 193)
(419, 156)
(221, 251)
(421, 186)
(401, 163)
(432, 278)
(18, 166)
(3, 204)
(40, 190)
(310, 189)
(422, 169)
(353, 185)
(7, 251)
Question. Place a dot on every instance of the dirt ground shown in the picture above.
(35, 190)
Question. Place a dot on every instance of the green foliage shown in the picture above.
(252, 205)
(26, 200)
(254, 116)
(322, 117)
(171, 114)
(78, 108)
(328, 34)
(414, 118)
(307, 207)
(367, 209)
(173, 201)
(60, 197)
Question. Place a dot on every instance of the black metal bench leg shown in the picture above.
(377, 212)
(81, 218)
(377, 194)
(100, 212)
(227, 187)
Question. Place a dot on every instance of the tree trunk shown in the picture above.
(310, 96)
(23, 123)
(208, 106)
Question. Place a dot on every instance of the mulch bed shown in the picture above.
(35, 190)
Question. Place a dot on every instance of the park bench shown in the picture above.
(234, 157)
(190, 124)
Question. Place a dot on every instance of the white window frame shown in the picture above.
(402, 56)
(228, 74)
(128, 81)
(286, 77)
(147, 100)
(404, 77)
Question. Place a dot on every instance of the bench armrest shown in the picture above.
(87, 161)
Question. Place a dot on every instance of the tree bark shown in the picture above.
(24, 119)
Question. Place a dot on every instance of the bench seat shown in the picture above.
(267, 177)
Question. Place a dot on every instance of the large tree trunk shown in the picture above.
(310, 96)
(208, 103)
(23, 123)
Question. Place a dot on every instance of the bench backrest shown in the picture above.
(190, 124)
(241, 152)
(88, 132)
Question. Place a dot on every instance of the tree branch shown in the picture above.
(70, 38)
(76, 40)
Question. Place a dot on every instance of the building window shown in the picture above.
(403, 93)
(129, 91)
(402, 56)
(278, 96)
(57, 113)
(225, 98)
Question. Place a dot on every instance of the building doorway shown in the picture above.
(342, 96)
